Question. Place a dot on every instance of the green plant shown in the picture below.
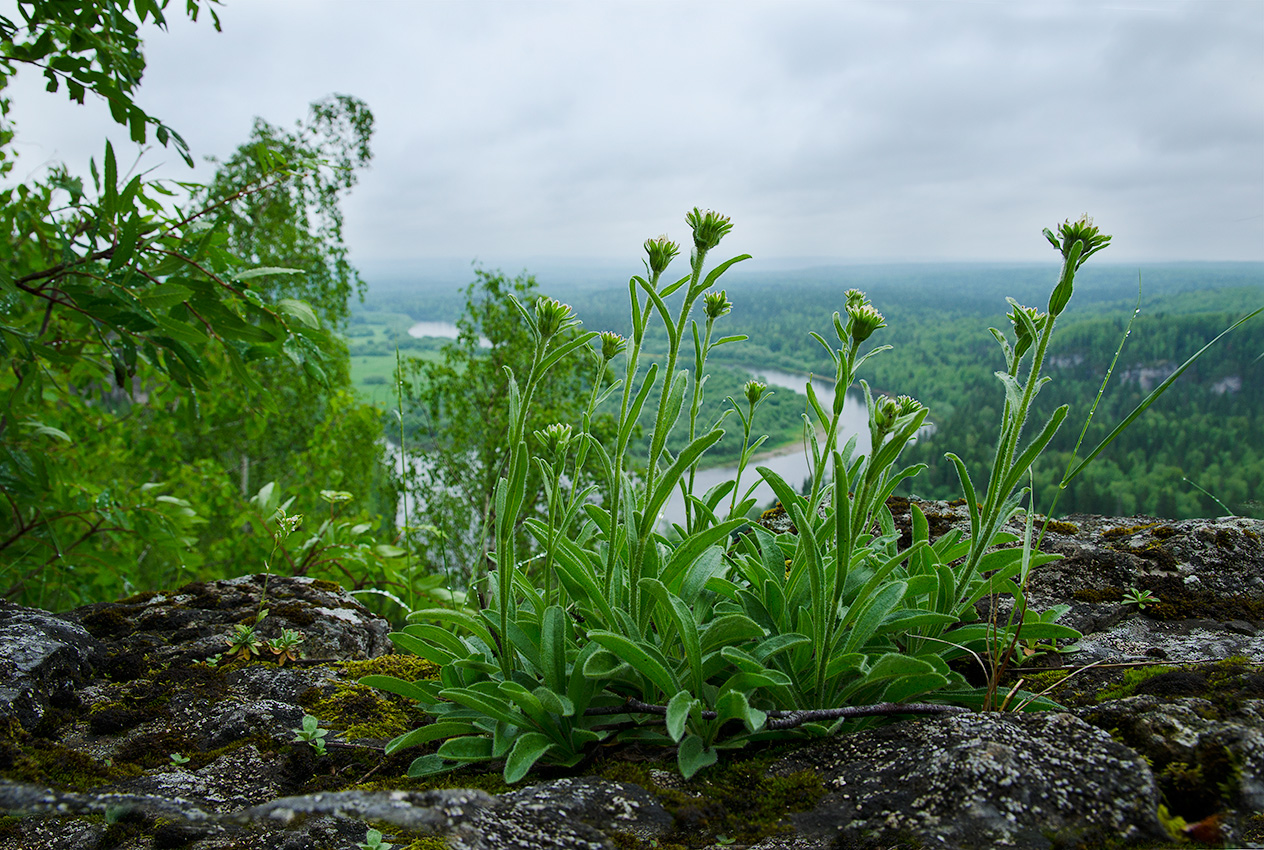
(1139, 598)
(177, 759)
(373, 841)
(686, 641)
(286, 646)
(243, 642)
(311, 733)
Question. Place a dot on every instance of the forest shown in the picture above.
(1196, 452)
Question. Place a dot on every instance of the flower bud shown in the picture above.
(864, 321)
(855, 298)
(716, 304)
(1023, 340)
(551, 316)
(754, 391)
(611, 345)
(708, 228)
(1080, 230)
(554, 438)
(908, 404)
(886, 411)
(661, 251)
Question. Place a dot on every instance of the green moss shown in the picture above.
(1132, 677)
(43, 762)
(358, 711)
(1060, 527)
(737, 799)
(410, 668)
(298, 613)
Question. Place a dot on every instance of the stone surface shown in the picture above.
(43, 660)
(189, 624)
(987, 780)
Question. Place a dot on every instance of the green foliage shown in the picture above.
(154, 377)
(89, 47)
(779, 635)
(458, 409)
(297, 222)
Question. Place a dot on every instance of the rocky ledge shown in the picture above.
(115, 732)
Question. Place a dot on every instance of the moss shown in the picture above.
(298, 613)
(42, 762)
(1060, 527)
(1132, 678)
(358, 711)
(139, 598)
(737, 799)
(430, 842)
(1182, 602)
(407, 667)
(1163, 532)
(327, 586)
(1120, 531)
(107, 623)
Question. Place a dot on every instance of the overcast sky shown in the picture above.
(855, 131)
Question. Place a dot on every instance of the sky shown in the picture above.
(839, 131)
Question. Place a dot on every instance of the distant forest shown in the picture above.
(1204, 439)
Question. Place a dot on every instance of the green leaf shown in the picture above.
(647, 660)
(428, 733)
(678, 710)
(527, 750)
(468, 749)
(264, 271)
(299, 311)
(395, 685)
(733, 705)
(429, 766)
(729, 630)
(693, 755)
(493, 707)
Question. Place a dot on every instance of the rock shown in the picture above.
(986, 780)
(189, 624)
(1208, 757)
(566, 814)
(43, 660)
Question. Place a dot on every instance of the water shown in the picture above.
(442, 330)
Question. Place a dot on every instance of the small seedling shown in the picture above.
(311, 733)
(243, 642)
(373, 841)
(285, 647)
(177, 759)
(1139, 598)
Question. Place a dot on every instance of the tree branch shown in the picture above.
(790, 719)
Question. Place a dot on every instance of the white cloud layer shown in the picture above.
(882, 130)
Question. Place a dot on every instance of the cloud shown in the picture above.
(893, 130)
